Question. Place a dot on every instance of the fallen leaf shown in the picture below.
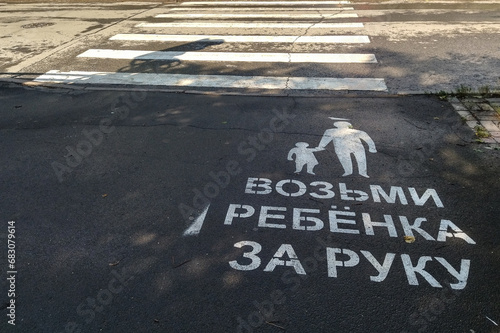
(409, 239)
(114, 263)
(436, 118)
(105, 195)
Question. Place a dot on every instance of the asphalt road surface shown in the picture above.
(153, 212)
(243, 168)
(395, 46)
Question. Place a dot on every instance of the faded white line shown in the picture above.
(263, 3)
(195, 228)
(214, 81)
(268, 15)
(268, 9)
(247, 25)
(243, 39)
(231, 56)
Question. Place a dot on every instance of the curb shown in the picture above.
(29, 83)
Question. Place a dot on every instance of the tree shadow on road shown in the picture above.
(157, 66)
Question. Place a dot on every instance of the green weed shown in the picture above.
(481, 132)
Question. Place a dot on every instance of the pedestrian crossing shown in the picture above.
(246, 27)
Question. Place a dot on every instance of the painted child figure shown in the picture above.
(304, 156)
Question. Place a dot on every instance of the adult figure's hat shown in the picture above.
(333, 118)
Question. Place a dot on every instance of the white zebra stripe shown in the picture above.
(230, 56)
(268, 15)
(214, 81)
(262, 3)
(267, 9)
(247, 25)
(244, 39)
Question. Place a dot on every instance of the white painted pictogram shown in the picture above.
(304, 156)
(346, 141)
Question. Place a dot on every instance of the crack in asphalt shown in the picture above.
(421, 128)
(323, 17)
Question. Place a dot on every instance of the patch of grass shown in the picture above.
(442, 95)
(481, 132)
(484, 91)
(463, 91)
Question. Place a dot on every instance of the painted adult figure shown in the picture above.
(347, 141)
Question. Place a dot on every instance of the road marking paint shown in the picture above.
(194, 229)
(217, 81)
(263, 3)
(231, 56)
(243, 39)
(348, 142)
(491, 320)
(266, 15)
(247, 25)
(278, 9)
